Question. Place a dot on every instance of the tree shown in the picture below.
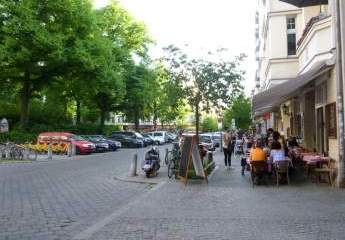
(209, 124)
(168, 95)
(207, 83)
(240, 110)
(35, 37)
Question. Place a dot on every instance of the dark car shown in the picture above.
(148, 140)
(101, 145)
(129, 141)
(103, 141)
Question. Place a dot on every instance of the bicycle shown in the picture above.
(172, 158)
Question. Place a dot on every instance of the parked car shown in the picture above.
(112, 145)
(82, 145)
(130, 141)
(148, 140)
(160, 137)
(171, 137)
(207, 142)
(215, 138)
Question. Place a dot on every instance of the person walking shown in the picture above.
(231, 147)
(226, 140)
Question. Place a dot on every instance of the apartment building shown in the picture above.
(299, 72)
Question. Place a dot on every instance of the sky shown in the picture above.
(203, 25)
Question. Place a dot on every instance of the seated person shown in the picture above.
(257, 153)
(293, 143)
(277, 153)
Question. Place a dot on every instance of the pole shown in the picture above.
(50, 151)
(133, 168)
(340, 89)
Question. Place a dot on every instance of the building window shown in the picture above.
(331, 120)
(291, 35)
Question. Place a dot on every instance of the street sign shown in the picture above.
(4, 126)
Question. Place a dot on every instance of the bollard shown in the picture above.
(73, 149)
(69, 150)
(133, 168)
(50, 152)
(8, 153)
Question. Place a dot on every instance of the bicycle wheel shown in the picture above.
(171, 169)
(167, 158)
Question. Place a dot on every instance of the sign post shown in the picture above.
(191, 156)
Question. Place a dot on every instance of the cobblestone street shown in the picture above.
(229, 208)
(57, 199)
(79, 199)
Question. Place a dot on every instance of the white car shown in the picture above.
(159, 137)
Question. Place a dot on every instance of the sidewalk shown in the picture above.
(229, 208)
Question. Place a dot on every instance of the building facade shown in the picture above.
(297, 79)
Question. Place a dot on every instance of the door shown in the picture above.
(320, 130)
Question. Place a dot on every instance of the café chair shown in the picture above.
(282, 169)
(325, 169)
(258, 171)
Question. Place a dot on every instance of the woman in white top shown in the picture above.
(277, 153)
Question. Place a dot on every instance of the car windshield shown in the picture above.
(138, 135)
(206, 139)
(77, 138)
(95, 138)
(158, 134)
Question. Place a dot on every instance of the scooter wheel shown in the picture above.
(147, 174)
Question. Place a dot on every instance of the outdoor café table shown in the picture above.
(313, 161)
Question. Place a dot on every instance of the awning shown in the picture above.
(276, 95)
(305, 3)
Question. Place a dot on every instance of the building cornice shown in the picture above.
(283, 13)
(280, 60)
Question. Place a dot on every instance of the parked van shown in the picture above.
(82, 146)
(159, 137)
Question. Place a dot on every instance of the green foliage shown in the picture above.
(240, 110)
(18, 136)
(206, 83)
(209, 124)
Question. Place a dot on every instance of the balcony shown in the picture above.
(316, 42)
(309, 26)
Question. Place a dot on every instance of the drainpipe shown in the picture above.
(337, 9)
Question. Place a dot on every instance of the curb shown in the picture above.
(143, 181)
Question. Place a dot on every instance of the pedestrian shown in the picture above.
(226, 140)
(231, 147)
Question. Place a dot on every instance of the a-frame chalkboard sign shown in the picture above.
(190, 157)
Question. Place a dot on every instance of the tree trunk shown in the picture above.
(102, 120)
(24, 101)
(155, 116)
(78, 111)
(197, 120)
(136, 121)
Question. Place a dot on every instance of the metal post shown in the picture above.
(73, 149)
(133, 168)
(70, 150)
(50, 151)
(221, 141)
(166, 156)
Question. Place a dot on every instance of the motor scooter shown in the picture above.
(151, 163)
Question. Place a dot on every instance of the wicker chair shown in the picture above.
(258, 171)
